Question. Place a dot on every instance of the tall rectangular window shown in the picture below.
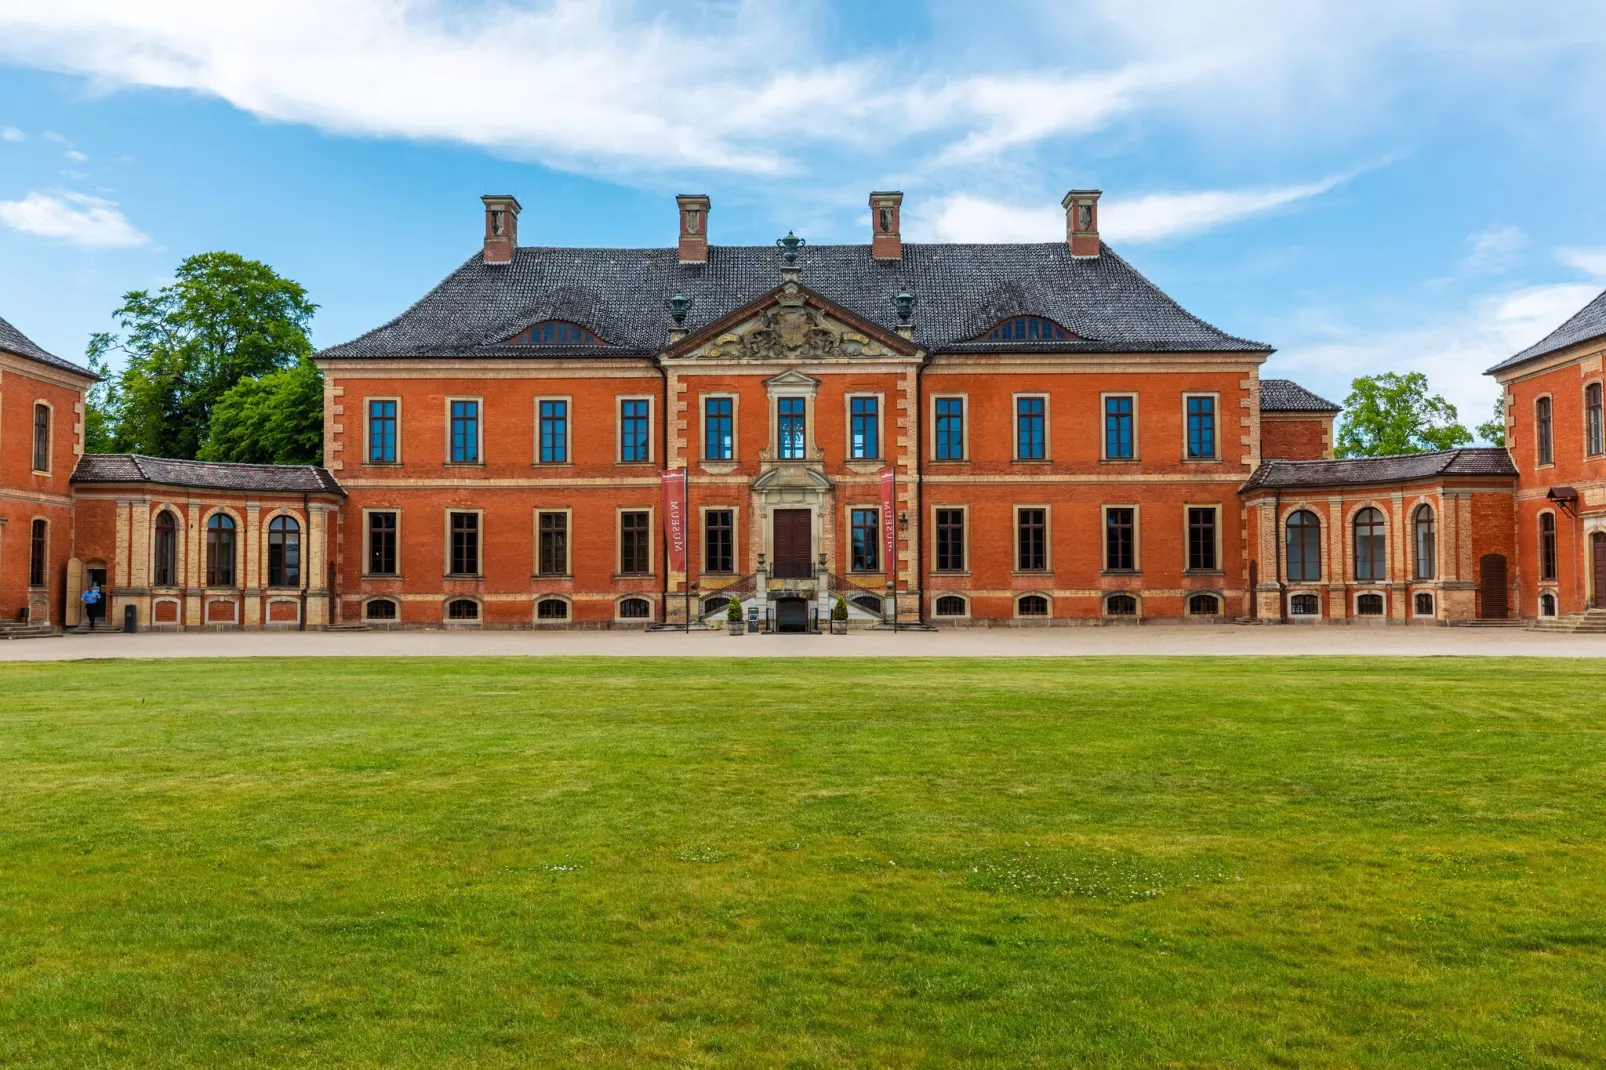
(1120, 540)
(41, 438)
(719, 422)
(791, 427)
(866, 540)
(38, 538)
(950, 540)
(1595, 429)
(1547, 546)
(465, 544)
(1118, 428)
(381, 432)
(864, 432)
(555, 431)
(552, 550)
(635, 544)
(1202, 539)
(1201, 428)
(633, 442)
(465, 432)
(1031, 540)
(950, 429)
(382, 544)
(1542, 430)
(1030, 441)
(719, 542)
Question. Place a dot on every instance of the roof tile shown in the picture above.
(14, 341)
(268, 478)
(1399, 468)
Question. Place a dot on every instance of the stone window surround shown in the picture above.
(568, 543)
(479, 550)
(1187, 538)
(1215, 457)
(1048, 541)
(50, 437)
(1137, 540)
(568, 430)
(366, 545)
(367, 430)
(479, 432)
(1104, 431)
(1014, 429)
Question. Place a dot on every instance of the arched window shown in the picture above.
(556, 333)
(869, 603)
(1424, 604)
(380, 609)
(1028, 329)
(1369, 605)
(950, 606)
(1427, 555)
(462, 609)
(1370, 560)
(1304, 547)
(1547, 546)
(1542, 437)
(38, 545)
(1204, 605)
(1032, 605)
(1121, 605)
(166, 555)
(284, 552)
(1547, 605)
(1304, 605)
(635, 609)
(220, 551)
(1594, 427)
(552, 609)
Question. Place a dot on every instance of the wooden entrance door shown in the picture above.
(1492, 586)
(1597, 545)
(792, 544)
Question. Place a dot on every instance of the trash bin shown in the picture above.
(130, 619)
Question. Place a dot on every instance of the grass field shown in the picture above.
(803, 863)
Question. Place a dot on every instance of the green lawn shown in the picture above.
(803, 863)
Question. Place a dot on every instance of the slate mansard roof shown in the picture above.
(1363, 471)
(1285, 395)
(1587, 323)
(963, 290)
(14, 341)
(205, 475)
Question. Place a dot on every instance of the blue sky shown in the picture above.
(1365, 188)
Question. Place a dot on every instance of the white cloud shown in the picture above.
(11, 133)
(51, 135)
(75, 156)
(1589, 261)
(1152, 217)
(1493, 249)
(1452, 350)
(73, 217)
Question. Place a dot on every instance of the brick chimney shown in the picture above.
(693, 227)
(1082, 221)
(886, 242)
(501, 227)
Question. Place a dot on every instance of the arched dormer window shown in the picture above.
(556, 333)
(1028, 329)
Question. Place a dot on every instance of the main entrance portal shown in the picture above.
(793, 537)
(791, 615)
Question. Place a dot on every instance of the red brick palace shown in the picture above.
(1007, 434)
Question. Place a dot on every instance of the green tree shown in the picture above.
(1494, 432)
(100, 404)
(1393, 413)
(223, 319)
(273, 419)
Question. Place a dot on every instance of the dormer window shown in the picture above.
(556, 333)
(1028, 329)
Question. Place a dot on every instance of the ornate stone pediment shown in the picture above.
(791, 330)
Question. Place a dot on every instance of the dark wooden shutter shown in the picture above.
(1492, 586)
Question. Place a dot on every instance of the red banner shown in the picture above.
(889, 522)
(674, 484)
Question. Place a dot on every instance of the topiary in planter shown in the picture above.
(840, 610)
(733, 611)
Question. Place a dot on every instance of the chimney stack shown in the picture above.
(693, 227)
(501, 227)
(886, 241)
(1082, 221)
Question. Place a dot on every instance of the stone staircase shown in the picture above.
(1589, 622)
(23, 630)
(1483, 622)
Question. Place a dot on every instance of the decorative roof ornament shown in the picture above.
(905, 303)
(678, 306)
(789, 246)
